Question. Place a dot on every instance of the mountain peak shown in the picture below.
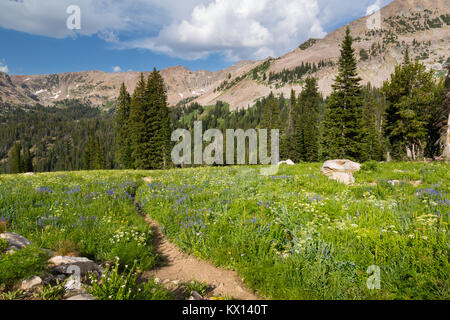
(421, 25)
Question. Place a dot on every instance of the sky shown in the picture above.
(55, 36)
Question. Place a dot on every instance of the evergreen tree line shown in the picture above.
(405, 119)
(54, 138)
(402, 120)
(291, 75)
(143, 125)
(19, 159)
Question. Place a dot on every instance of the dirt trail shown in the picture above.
(181, 268)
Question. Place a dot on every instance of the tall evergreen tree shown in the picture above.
(27, 160)
(298, 139)
(122, 129)
(150, 124)
(413, 99)
(139, 131)
(445, 125)
(309, 101)
(342, 121)
(271, 119)
(371, 130)
(15, 163)
(94, 153)
(163, 133)
(287, 145)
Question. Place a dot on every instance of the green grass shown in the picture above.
(301, 236)
(91, 214)
(296, 235)
(191, 286)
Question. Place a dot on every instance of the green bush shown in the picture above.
(199, 287)
(3, 245)
(12, 295)
(50, 292)
(113, 285)
(129, 252)
(369, 166)
(124, 286)
(24, 263)
(151, 291)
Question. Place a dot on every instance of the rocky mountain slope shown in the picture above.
(421, 25)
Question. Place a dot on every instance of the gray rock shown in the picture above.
(195, 296)
(54, 280)
(342, 177)
(71, 265)
(341, 170)
(60, 278)
(15, 240)
(83, 296)
(31, 283)
(72, 284)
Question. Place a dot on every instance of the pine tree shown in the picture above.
(94, 153)
(342, 121)
(288, 147)
(15, 163)
(271, 116)
(271, 119)
(27, 161)
(309, 100)
(150, 124)
(298, 139)
(445, 124)
(137, 126)
(413, 98)
(406, 59)
(163, 133)
(122, 129)
(371, 133)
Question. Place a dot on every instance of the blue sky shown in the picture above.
(142, 34)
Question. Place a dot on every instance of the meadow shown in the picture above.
(296, 235)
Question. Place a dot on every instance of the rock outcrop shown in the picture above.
(341, 170)
(69, 265)
(15, 240)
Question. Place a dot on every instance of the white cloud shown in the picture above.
(117, 69)
(49, 17)
(239, 29)
(189, 29)
(4, 67)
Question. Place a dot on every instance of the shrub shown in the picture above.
(113, 285)
(369, 166)
(3, 245)
(50, 293)
(3, 226)
(117, 286)
(200, 287)
(24, 263)
(128, 252)
(151, 291)
(12, 295)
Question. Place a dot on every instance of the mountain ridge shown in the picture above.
(421, 25)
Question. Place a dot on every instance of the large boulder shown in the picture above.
(341, 170)
(15, 240)
(70, 265)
